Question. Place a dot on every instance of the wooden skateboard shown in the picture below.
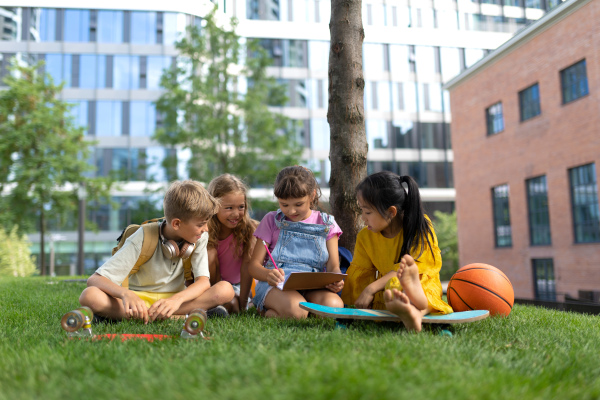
(382, 315)
(78, 323)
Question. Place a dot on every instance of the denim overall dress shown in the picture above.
(300, 247)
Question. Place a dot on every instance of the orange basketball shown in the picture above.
(480, 287)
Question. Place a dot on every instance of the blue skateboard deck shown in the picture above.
(382, 315)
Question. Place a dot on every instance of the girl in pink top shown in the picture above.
(231, 239)
(300, 239)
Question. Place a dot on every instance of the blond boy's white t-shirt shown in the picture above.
(159, 274)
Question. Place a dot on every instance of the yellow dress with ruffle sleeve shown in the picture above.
(375, 255)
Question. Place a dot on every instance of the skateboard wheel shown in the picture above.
(72, 321)
(87, 312)
(195, 322)
(340, 325)
(445, 332)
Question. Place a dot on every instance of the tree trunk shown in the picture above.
(42, 250)
(348, 148)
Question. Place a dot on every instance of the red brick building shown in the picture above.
(526, 141)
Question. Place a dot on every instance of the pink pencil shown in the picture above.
(269, 253)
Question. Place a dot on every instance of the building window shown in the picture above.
(142, 120)
(143, 27)
(543, 279)
(154, 70)
(155, 172)
(77, 25)
(534, 4)
(110, 26)
(293, 53)
(173, 27)
(126, 72)
(574, 82)
(47, 24)
(502, 228)
(539, 217)
(109, 118)
(262, 10)
(584, 203)
(79, 112)
(88, 71)
(494, 118)
(529, 102)
(60, 68)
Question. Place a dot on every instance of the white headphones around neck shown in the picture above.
(171, 249)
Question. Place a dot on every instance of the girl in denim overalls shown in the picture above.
(300, 239)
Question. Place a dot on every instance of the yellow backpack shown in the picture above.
(151, 237)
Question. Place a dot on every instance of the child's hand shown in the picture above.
(243, 305)
(275, 277)
(134, 306)
(365, 300)
(163, 309)
(336, 286)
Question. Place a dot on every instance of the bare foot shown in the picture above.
(270, 313)
(399, 303)
(408, 274)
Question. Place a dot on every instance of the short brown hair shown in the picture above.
(189, 199)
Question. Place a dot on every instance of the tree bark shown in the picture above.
(348, 144)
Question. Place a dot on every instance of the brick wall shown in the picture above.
(561, 137)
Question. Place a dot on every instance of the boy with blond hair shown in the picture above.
(157, 290)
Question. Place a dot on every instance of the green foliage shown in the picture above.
(15, 255)
(203, 110)
(445, 229)
(43, 155)
(534, 353)
(146, 209)
(260, 207)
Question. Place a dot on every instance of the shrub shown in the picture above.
(15, 254)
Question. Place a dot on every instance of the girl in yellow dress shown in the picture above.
(398, 247)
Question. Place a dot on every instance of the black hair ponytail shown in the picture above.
(415, 227)
(385, 189)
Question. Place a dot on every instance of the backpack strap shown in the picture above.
(188, 274)
(149, 244)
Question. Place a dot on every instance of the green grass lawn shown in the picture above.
(532, 354)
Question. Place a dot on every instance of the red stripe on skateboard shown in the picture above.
(129, 336)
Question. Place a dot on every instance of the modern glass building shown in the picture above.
(110, 56)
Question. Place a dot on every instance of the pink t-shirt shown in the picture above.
(229, 264)
(269, 232)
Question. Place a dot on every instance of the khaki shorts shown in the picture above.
(152, 297)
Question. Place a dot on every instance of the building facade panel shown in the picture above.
(561, 137)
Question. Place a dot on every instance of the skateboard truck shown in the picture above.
(195, 322)
(78, 323)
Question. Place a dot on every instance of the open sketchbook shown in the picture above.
(309, 280)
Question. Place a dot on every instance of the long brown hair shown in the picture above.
(220, 187)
